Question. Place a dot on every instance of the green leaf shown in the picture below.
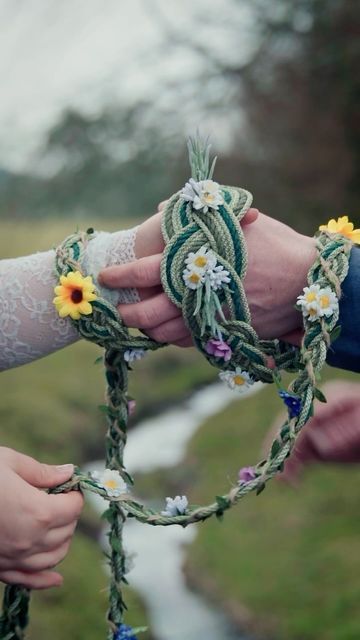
(115, 544)
(140, 629)
(107, 515)
(98, 360)
(260, 488)
(104, 408)
(335, 333)
(276, 446)
(319, 395)
(222, 502)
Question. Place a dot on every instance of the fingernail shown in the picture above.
(65, 467)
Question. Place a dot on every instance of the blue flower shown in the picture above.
(124, 632)
(292, 402)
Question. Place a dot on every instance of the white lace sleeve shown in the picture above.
(29, 324)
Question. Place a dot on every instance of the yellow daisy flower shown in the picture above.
(73, 295)
(342, 226)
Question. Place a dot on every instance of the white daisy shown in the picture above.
(175, 506)
(237, 380)
(328, 302)
(204, 195)
(218, 277)
(130, 355)
(193, 278)
(202, 260)
(316, 302)
(112, 482)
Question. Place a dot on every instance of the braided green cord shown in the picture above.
(186, 230)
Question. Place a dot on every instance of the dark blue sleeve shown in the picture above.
(344, 353)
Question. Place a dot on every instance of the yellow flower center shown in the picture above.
(310, 297)
(324, 301)
(200, 261)
(194, 278)
(76, 296)
(208, 197)
(239, 380)
(111, 484)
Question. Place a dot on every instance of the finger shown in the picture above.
(44, 561)
(184, 343)
(63, 508)
(36, 473)
(54, 538)
(35, 580)
(142, 273)
(149, 314)
(171, 331)
(250, 216)
(162, 205)
(149, 292)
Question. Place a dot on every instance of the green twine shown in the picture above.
(185, 230)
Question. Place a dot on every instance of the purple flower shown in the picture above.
(124, 632)
(131, 407)
(292, 402)
(246, 474)
(219, 349)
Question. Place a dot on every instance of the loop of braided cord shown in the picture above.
(185, 230)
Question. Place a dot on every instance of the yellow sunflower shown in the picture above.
(342, 226)
(73, 295)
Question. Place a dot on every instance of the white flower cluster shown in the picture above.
(237, 380)
(176, 506)
(204, 195)
(111, 481)
(317, 303)
(202, 266)
(131, 355)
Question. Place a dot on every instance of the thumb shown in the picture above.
(37, 473)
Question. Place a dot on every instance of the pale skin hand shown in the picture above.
(331, 436)
(279, 259)
(36, 533)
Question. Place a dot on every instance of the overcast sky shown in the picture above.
(87, 53)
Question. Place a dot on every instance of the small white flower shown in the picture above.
(218, 277)
(112, 482)
(202, 260)
(175, 506)
(193, 278)
(237, 380)
(316, 302)
(204, 195)
(328, 302)
(134, 354)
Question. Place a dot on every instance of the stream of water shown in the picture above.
(175, 612)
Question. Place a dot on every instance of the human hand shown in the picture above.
(35, 528)
(154, 314)
(331, 436)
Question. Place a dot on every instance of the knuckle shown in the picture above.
(143, 274)
(147, 317)
(159, 334)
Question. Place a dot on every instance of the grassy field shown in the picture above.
(49, 409)
(288, 561)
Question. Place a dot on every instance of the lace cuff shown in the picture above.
(30, 327)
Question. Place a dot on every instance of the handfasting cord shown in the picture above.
(202, 271)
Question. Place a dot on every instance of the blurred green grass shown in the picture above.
(287, 562)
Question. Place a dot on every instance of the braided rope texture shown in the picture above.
(186, 230)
